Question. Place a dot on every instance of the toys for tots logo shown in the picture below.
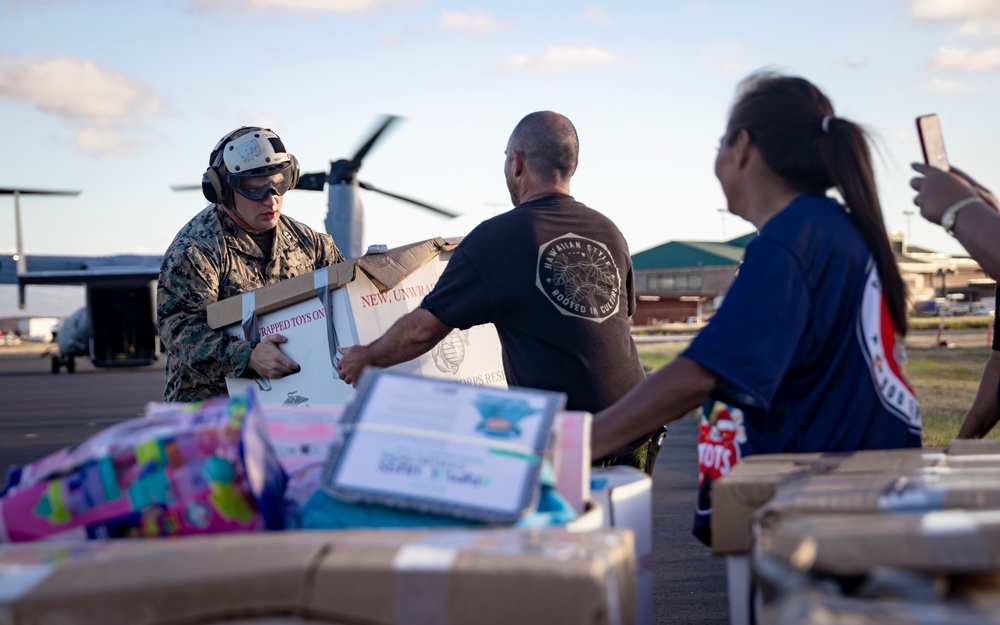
(579, 276)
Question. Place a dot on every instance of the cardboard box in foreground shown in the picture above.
(626, 496)
(484, 577)
(367, 295)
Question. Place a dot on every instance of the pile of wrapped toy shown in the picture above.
(222, 465)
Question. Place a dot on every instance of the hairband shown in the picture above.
(826, 123)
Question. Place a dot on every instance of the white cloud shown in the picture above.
(101, 139)
(954, 10)
(475, 21)
(730, 67)
(336, 7)
(106, 103)
(940, 85)
(561, 59)
(952, 59)
(596, 15)
(717, 48)
(851, 62)
(979, 29)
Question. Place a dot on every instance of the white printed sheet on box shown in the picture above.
(304, 326)
(470, 356)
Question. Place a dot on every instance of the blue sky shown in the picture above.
(122, 99)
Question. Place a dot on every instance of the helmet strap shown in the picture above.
(242, 223)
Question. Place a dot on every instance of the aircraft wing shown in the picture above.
(70, 267)
(91, 276)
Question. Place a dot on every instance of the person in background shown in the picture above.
(969, 212)
(554, 277)
(239, 243)
(805, 345)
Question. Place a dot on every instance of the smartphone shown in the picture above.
(932, 141)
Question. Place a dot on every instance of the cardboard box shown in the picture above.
(811, 607)
(943, 541)
(626, 496)
(752, 483)
(352, 303)
(475, 576)
(918, 490)
(973, 447)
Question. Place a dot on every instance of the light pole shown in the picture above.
(906, 245)
(723, 212)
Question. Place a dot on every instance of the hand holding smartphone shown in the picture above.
(932, 141)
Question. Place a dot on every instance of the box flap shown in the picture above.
(389, 269)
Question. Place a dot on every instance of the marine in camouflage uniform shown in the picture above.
(212, 259)
(215, 257)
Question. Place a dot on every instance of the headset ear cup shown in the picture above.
(211, 186)
(295, 170)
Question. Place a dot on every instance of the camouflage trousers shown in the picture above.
(642, 457)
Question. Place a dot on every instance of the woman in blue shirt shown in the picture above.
(807, 341)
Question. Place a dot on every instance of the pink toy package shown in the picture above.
(182, 469)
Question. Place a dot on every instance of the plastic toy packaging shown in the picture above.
(182, 469)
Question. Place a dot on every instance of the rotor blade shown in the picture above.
(185, 187)
(440, 211)
(11, 191)
(387, 121)
(312, 182)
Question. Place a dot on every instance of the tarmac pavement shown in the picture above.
(41, 413)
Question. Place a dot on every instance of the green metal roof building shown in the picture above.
(679, 280)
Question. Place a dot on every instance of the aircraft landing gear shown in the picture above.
(63, 361)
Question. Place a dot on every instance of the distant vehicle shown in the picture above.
(36, 329)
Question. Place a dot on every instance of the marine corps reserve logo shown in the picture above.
(449, 353)
(579, 276)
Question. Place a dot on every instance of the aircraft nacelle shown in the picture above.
(345, 220)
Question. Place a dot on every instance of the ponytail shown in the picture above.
(851, 170)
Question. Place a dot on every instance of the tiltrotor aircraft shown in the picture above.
(117, 326)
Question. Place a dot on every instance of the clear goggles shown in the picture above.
(257, 188)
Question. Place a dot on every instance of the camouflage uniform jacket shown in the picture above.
(212, 259)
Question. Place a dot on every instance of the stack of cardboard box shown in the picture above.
(378, 577)
(833, 537)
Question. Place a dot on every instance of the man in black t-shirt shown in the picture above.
(552, 275)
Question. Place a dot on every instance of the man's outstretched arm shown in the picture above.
(412, 335)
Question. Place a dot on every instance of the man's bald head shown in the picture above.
(549, 145)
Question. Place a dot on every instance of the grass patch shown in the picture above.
(656, 355)
(945, 381)
(964, 322)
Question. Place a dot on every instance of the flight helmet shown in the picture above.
(248, 152)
